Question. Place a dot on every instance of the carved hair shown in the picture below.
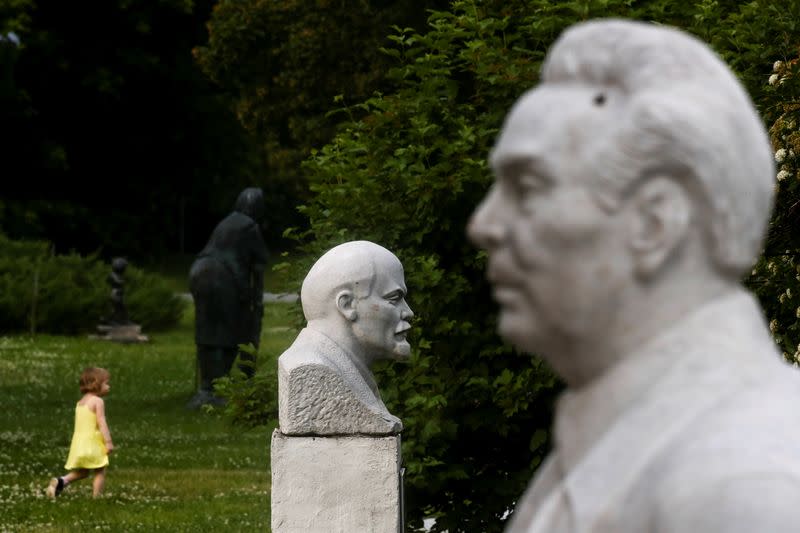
(349, 266)
(92, 379)
(683, 113)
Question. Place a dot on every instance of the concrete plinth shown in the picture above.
(336, 484)
(124, 333)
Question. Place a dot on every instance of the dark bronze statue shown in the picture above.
(119, 313)
(227, 284)
(118, 326)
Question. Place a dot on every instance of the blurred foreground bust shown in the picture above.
(354, 301)
(632, 191)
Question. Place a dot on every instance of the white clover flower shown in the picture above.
(777, 66)
(773, 325)
(773, 79)
(782, 298)
(780, 155)
(782, 175)
(789, 293)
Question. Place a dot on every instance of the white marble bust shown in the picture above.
(354, 302)
(632, 190)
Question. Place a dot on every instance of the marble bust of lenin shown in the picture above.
(353, 299)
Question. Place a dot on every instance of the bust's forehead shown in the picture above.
(354, 261)
(554, 122)
(389, 271)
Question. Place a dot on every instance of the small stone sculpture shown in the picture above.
(118, 327)
(119, 314)
(354, 301)
(632, 191)
(227, 285)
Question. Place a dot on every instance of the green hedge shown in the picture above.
(41, 292)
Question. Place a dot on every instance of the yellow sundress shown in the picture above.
(88, 449)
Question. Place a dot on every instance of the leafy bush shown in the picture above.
(150, 300)
(776, 278)
(68, 294)
(250, 402)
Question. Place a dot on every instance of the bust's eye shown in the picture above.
(395, 296)
(525, 186)
(530, 183)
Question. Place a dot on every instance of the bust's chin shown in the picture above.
(516, 330)
(402, 350)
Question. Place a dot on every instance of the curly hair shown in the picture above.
(92, 379)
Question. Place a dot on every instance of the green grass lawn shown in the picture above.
(172, 469)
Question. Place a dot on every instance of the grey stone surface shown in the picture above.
(126, 334)
(335, 484)
(354, 301)
(336, 455)
(633, 189)
(323, 391)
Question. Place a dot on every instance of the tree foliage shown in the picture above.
(776, 277)
(110, 132)
(282, 64)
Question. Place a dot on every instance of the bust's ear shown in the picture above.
(662, 216)
(346, 304)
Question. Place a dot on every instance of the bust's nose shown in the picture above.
(486, 228)
(406, 313)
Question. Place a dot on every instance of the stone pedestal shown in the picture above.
(125, 333)
(336, 484)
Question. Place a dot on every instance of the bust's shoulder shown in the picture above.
(751, 433)
(308, 348)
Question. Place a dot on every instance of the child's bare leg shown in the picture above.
(74, 475)
(57, 484)
(99, 481)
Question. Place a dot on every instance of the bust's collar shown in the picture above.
(583, 415)
(615, 424)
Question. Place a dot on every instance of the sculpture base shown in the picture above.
(346, 483)
(125, 333)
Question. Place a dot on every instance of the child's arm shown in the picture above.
(100, 412)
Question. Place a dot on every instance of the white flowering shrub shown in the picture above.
(776, 277)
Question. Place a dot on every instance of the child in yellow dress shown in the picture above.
(91, 440)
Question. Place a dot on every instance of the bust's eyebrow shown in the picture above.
(396, 292)
(524, 165)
